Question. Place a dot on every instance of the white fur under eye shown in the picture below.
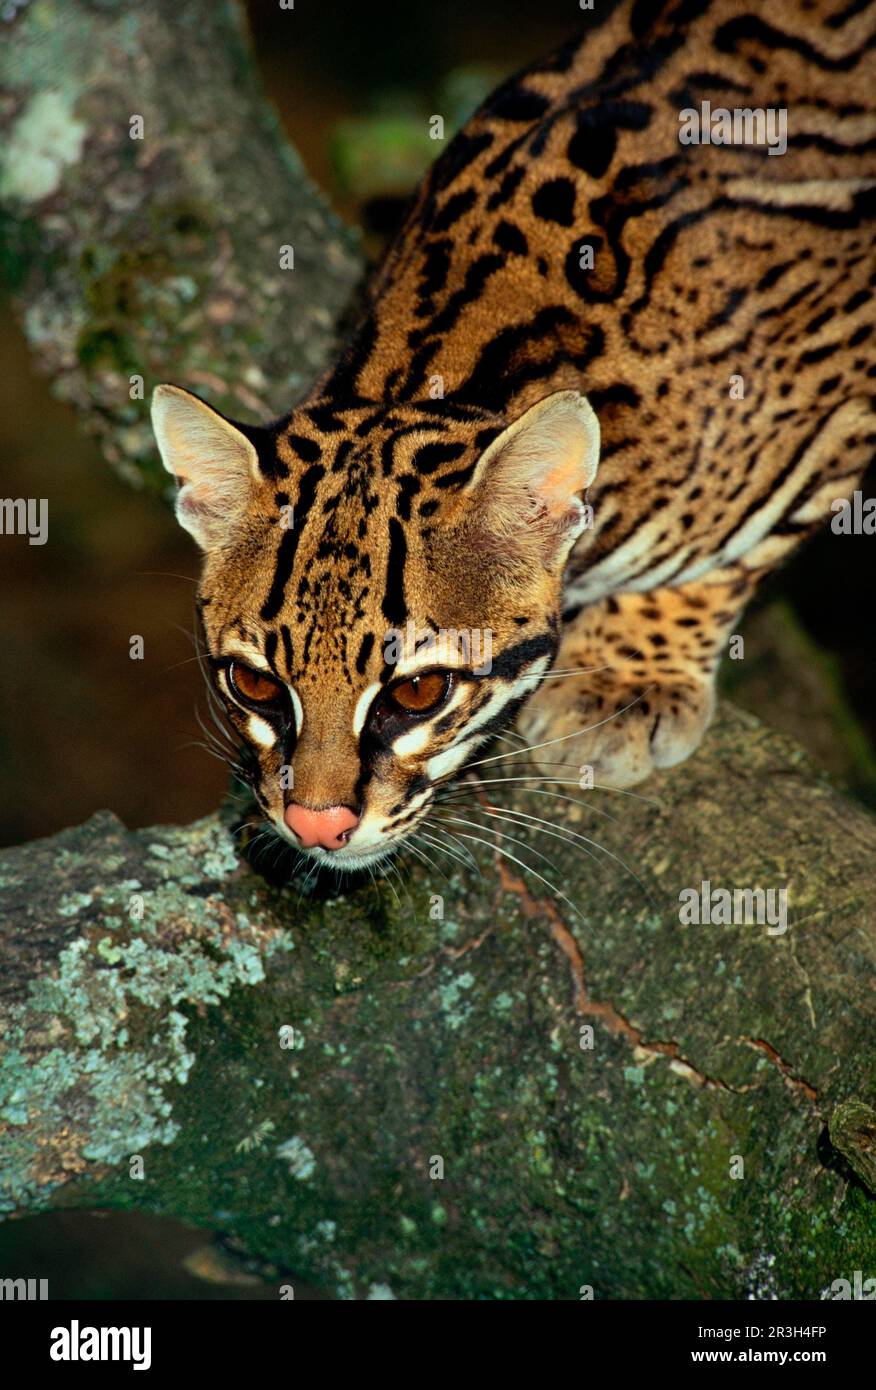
(261, 732)
(413, 742)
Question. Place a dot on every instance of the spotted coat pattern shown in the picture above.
(721, 330)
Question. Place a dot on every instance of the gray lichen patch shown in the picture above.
(294, 1152)
(100, 1038)
(46, 139)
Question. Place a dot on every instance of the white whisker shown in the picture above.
(463, 790)
(457, 820)
(527, 868)
(563, 738)
(569, 835)
(461, 856)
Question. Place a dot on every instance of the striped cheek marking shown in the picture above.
(297, 709)
(414, 742)
(363, 704)
(416, 801)
(444, 763)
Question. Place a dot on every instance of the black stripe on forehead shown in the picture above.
(325, 419)
(394, 608)
(271, 649)
(365, 649)
(446, 409)
(455, 479)
(287, 646)
(409, 486)
(386, 455)
(289, 542)
(369, 422)
(342, 455)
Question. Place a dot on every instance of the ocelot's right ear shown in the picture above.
(214, 463)
(526, 491)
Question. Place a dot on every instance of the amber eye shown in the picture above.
(421, 694)
(253, 687)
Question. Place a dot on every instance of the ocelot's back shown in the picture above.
(617, 363)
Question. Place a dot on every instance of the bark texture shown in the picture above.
(146, 196)
(148, 978)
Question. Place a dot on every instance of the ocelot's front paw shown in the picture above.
(623, 731)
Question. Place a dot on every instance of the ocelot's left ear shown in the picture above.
(215, 464)
(528, 483)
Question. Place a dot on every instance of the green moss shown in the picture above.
(558, 1167)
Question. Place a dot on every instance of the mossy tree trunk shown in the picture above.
(476, 1089)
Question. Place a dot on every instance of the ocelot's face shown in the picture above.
(377, 599)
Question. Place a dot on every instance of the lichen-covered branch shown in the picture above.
(146, 198)
(376, 1095)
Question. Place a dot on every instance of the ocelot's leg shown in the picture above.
(645, 694)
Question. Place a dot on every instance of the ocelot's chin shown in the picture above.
(347, 860)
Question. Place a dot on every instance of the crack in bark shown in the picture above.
(616, 1022)
(612, 1018)
(797, 1083)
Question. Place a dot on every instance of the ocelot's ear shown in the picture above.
(215, 464)
(528, 482)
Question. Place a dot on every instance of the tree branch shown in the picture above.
(147, 975)
(440, 1121)
(160, 256)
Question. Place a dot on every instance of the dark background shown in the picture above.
(83, 727)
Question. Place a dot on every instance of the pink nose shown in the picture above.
(330, 828)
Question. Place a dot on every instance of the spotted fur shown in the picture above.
(414, 499)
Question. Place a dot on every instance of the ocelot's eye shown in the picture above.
(420, 694)
(253, 687)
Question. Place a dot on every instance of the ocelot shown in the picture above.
(608, 375)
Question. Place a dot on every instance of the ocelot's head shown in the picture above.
(380, 592)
